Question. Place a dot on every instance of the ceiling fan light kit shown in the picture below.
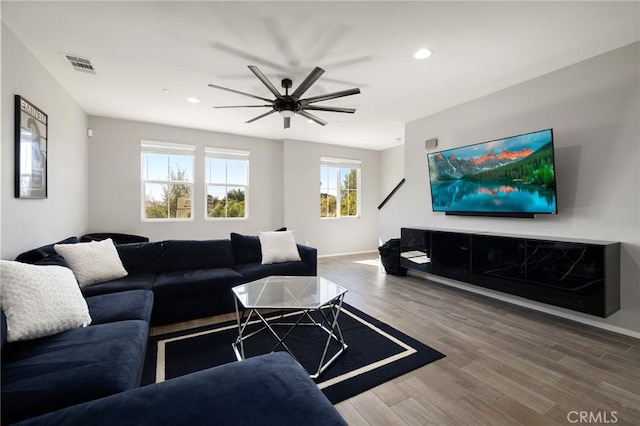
(290, 104)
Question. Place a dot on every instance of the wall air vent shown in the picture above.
(79, 63)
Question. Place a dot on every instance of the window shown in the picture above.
(167, 181)
(339, 184)
(226, 183)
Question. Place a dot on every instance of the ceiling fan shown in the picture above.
(289, 104)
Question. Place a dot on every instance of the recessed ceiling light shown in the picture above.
(193, 100)
(422, 54)
(165, 90)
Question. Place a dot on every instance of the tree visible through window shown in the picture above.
(167, 180)
(227, 182)
(339, 183)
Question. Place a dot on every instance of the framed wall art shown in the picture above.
(31, 147)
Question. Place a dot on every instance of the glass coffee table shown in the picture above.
(297, 302)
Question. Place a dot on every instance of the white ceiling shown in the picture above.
(140, 48)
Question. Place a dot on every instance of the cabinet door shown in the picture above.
(498, 263)
(415, 248)
(451, 255)
(566, 274)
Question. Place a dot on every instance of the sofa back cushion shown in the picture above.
(37, 254)
(247, 248)
(116, 237)
(55, 260)
(141, 257)
(3, 328)
(186, 255)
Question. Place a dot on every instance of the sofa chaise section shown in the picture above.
(265, 390)
(75, 366)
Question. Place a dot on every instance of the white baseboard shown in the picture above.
(348, 254)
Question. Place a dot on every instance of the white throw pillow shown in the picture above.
(278, 247)
(93, 262)
(40, 301)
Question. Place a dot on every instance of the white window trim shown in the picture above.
(228, 154)
(344, 163)
(169, 148)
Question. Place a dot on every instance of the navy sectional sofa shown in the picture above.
(189, 278)
(92, 375)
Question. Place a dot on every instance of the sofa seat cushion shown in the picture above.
(140, 281)
(264, 390)
(255, 271)
(199, 282)
(75, 366)
(121, 306)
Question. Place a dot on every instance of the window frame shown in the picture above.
(165, 148)
(340, 164)
(226, 154)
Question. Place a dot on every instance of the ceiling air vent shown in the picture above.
(79, 63)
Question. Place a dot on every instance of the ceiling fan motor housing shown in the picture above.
(286, 103)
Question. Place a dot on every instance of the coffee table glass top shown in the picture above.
(288, 292)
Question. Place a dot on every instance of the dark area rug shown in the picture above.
(377, 352)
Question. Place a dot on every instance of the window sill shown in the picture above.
(165, 220)
(340, 217)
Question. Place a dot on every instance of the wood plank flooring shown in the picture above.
(505, 365)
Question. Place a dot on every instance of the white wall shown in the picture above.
(283, 187)
(27, 224)
(114, 180)
(593, 107)
(301, 199)
(391, 173)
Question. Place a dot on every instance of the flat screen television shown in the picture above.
(513, 177)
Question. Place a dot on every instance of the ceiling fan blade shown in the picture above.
(304, 86)
(311, 117)
(243, 106)
(330, 109)
(249, 57)
(260, 116)
(287, 122)
(263, 78)
(333, 95)
(239, 93)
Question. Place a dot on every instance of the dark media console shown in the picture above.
(580, 275)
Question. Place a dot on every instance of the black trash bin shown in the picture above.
(390, 257)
